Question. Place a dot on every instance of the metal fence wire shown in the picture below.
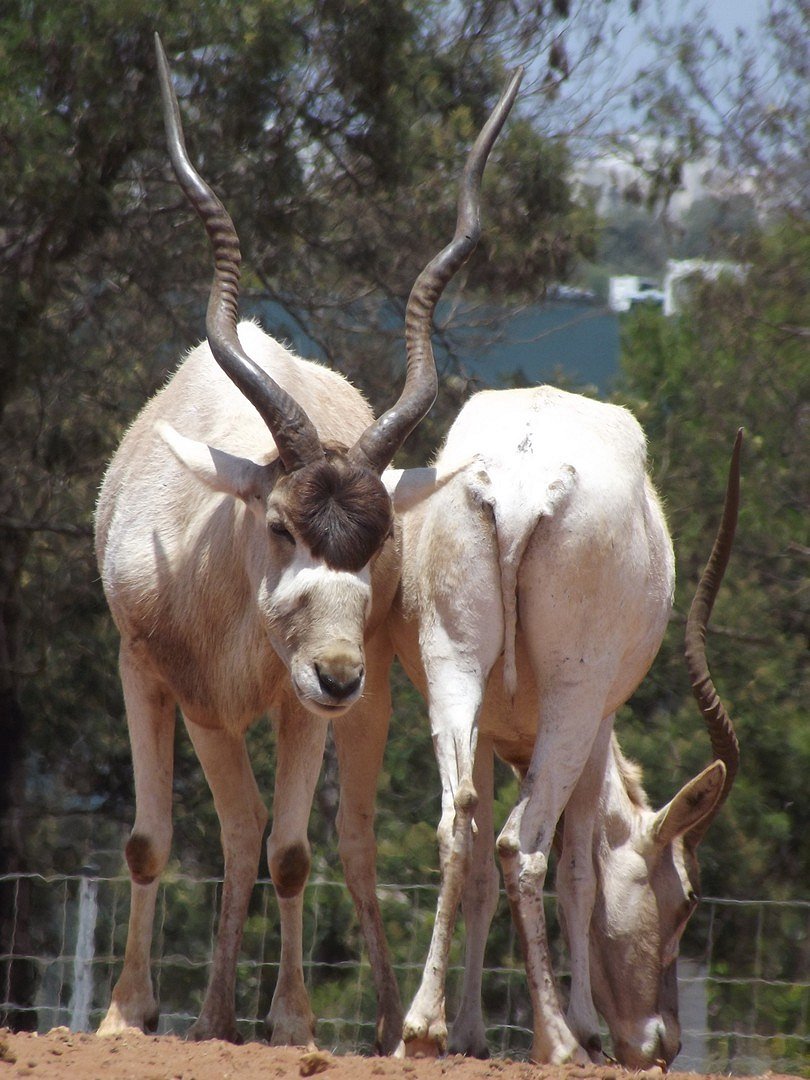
(744, 972)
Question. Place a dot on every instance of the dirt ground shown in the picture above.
(60, 1053)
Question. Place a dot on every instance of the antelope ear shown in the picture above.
(407, 487)
(218, 470)
(692, 804)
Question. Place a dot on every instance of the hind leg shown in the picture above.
(570, 720)
(455, 698)
(480, 898)
(151, 718)
(576, 890)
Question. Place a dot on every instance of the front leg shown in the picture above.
(360, 739)
(151, 721)
(300, 743)
(242, 817)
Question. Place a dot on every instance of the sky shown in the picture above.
(604, 90)
(727, 15)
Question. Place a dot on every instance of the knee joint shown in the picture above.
(508, 845)
(466, 799)
(289, 869)
(533, 870)
(144, 861)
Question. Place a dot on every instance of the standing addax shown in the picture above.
(537, 584)
(243, 539)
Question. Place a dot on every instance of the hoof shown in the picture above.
(425, 1048)
(107, 1028)
(203, 1030)
(291, 1033)
(593, 1045)
(579, 1056)
(561, 1055)
(388, 1041)
(424, 1040)
(118, 1022)
(470, 1050)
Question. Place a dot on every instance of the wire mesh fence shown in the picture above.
(744, 974)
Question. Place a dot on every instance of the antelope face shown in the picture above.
(646, 899)
(325, 524)
(649, 886)
(318, 531)
(315, 618)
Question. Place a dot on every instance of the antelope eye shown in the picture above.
(279, 529)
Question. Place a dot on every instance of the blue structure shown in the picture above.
(573, 339)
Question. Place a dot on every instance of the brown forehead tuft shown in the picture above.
(341, 510)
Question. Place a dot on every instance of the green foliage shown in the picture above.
(714, 228)
(633, 240)
(335, 133)
(737, 357)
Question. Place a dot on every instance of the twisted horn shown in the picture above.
(724, 742)
(293, 431)
(380, 441)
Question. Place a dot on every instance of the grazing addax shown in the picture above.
(243, 539)
(536, 588)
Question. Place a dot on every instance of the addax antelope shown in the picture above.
(537, 584)
(243, 539)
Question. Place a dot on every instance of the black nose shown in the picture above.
(339, 686)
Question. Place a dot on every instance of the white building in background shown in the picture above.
(627, 289)
(682, 273)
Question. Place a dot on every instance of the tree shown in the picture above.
(739, 107)
(334, 132)
(312, 121)
(737, 358)
(715, 228)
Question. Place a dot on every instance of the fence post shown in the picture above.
(694, 1015)
(81, 998)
